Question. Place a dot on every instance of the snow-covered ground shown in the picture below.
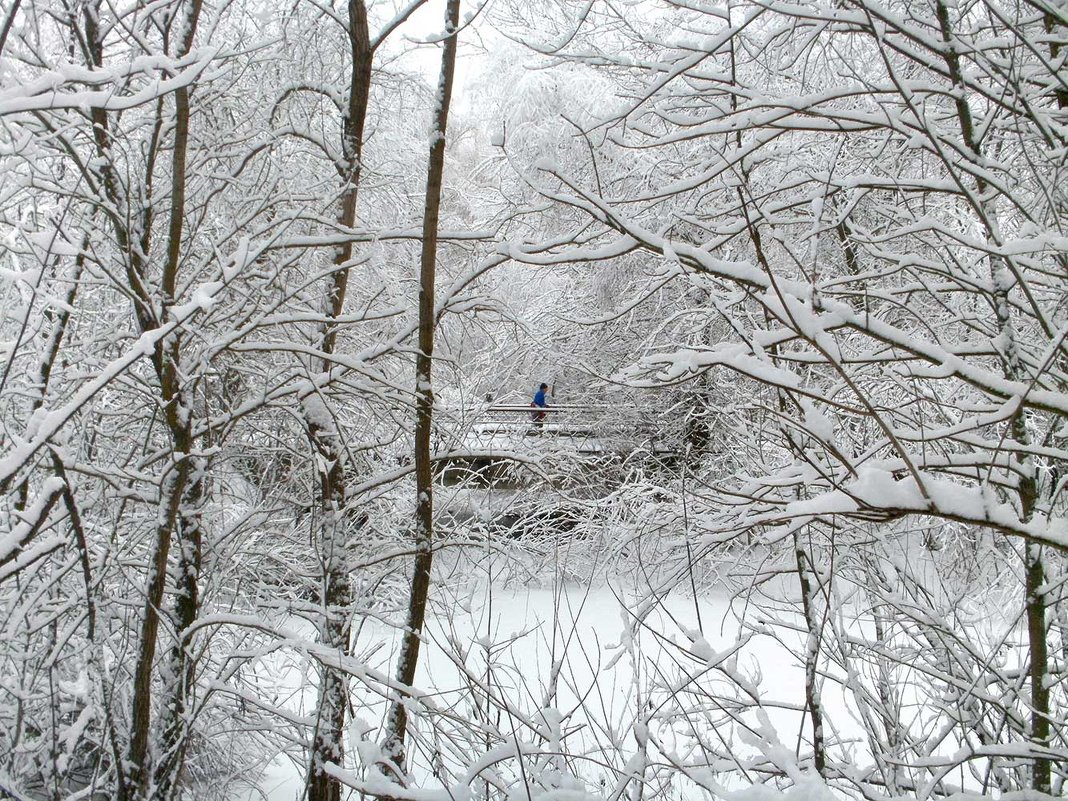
(588, 654)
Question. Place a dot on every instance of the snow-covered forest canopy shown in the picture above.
(278, 282)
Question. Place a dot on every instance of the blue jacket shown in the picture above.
(539, 398)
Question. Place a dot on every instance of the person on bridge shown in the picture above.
(539, 402)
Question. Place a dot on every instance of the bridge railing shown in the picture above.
(563, 427)
(585, 431)
(591, 428)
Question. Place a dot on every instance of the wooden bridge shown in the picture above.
(504, 434)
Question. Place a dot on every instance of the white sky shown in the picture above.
(428, 21)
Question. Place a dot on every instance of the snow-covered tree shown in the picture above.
(870, 195)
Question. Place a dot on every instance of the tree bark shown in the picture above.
(1035, 603)
(336, 587)
(177, 409)
(411, 638)
(813, 698)
(182, 671)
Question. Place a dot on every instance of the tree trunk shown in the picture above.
(182, 671)
(177, 408)
(408, 660)
(329, 451)
(889, 710)
(813, 699)
(1027, 489)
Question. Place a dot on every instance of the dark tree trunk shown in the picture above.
(1027, 490)
(182, 670)
(177, 408)
(408, 660)
(336, 587)
(813, 700)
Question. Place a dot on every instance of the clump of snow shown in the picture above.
(53, 243)
(366, 749)
(316, 413)
(816, 421)
(805, 788)
(699, 646)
